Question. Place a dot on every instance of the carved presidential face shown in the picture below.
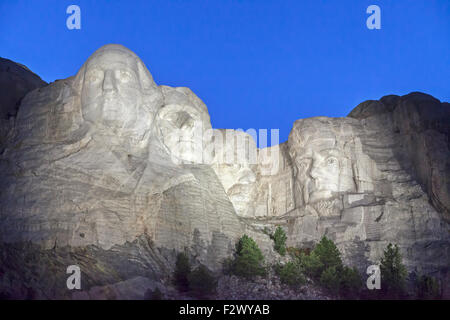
(182, 123)
(182, 132)
(113, 86)
(324, 173)
(234, 163)
(323, 167)
(111, 89)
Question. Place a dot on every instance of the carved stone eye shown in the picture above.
(125, 76)
(331, 161)
(181, 120)
(94, 76)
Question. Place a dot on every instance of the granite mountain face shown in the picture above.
(112, 172)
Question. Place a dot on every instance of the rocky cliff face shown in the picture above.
(421, 127)
(16, 81)
(114, 173)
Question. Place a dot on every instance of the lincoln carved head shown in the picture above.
(323, 152)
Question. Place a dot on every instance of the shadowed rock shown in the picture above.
(16, 81)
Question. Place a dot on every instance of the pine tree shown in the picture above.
(249, 259)
(393, 272)
(182, 270)
(202, 282)
(328, 254)
(279, 238)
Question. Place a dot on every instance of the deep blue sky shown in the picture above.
(256, 64)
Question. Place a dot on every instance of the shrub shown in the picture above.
(312, 265)
(182, 270)
(351, 282)
(279, 238)
(428, 288)
(201, 281)
(393, 272)
(328, 254)
(330, 279)
(249, 259)
(293, 252)
(291, 273)
(325, 255)
(324, 264)
(296, 253)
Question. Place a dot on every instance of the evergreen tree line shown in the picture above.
(321, 265)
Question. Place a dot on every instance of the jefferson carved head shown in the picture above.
(183, 123)
(116, 90)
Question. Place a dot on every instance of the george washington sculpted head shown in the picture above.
(117, 91)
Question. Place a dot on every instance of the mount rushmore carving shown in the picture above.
(107, 158)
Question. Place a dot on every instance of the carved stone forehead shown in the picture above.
(116, 56)
(111, 60)
(318, 134)
(113, 54)
(305, 131)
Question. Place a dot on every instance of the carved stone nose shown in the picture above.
(109, 81)
(313, 172)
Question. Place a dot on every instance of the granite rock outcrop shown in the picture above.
(111, 171)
